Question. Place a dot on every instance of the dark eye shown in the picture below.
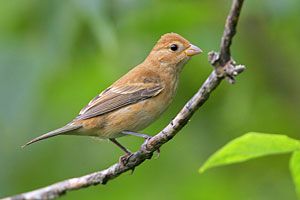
(174, 47)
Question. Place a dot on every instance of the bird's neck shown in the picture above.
(165, 67)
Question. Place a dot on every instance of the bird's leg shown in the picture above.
(123, 159)
(145, 136)
(113, 140)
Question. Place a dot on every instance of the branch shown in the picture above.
(224, 66)
(230, 30)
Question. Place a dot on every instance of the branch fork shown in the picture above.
(229, 71)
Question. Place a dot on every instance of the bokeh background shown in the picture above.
(57, 55)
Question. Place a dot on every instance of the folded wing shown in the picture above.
(117, 97)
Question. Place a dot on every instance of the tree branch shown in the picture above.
(230, 30)
(224, 66)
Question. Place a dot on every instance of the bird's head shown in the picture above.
(172, 51)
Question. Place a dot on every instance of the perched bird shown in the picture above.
(135, 100)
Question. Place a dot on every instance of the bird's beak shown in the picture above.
(192, 50)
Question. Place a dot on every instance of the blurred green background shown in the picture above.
(57, 55)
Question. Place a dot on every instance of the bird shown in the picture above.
(135, 100)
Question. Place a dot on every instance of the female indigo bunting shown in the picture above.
(135, 100)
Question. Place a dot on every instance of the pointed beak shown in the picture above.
(192, 50)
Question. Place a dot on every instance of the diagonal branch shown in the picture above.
(224, 66)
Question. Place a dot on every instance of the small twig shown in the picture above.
(225, 67)
(230, 30)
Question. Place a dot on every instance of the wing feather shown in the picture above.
(117, 97)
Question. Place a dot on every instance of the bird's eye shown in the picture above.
(174, 47)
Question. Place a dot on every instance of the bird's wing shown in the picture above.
(116, 97)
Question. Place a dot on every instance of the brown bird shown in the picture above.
(135, 100)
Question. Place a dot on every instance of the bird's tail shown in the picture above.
(62, 130)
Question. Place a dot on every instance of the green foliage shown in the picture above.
(295, 170)
(249, 146)
(253, 145)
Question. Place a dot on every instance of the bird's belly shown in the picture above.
(134, 117)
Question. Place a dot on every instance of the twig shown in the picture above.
(225, 67)
(230, 30)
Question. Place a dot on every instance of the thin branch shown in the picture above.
(230, 30)
(224, 68)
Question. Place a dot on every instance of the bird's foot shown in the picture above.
(123, 160)
(145, 136)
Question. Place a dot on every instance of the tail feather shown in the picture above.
(56, 132)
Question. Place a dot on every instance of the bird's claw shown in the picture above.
(124, 159)
(158, 153)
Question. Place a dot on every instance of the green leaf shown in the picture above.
(295, 170)
(249, 146)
